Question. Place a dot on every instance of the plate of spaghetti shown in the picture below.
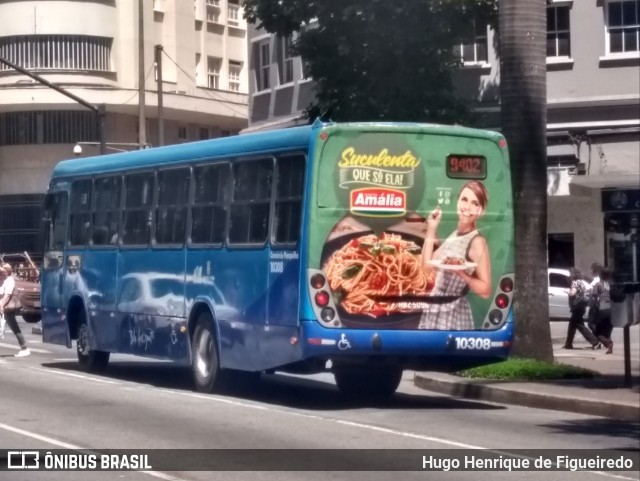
(368, 267)
(452, 264)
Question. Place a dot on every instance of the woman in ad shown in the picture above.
(462, 262)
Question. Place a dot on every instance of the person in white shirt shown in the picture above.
(595, 272)
(8, 286)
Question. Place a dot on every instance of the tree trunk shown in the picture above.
(523, 92)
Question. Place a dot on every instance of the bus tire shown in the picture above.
(89, 360)
(367, 383)
(205, 363)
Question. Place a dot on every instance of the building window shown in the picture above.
(57, 52)
(20, 217)
(623, 26)
(182, 133)
(285, 65)
(203, 133)
(558, 40)
(234, 75)
(263, 66)
(213, 16)
(233, 13)
(48, 127)
(213, 72)
(561, 251)
(475, 51)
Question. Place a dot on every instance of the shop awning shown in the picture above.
(620, 180)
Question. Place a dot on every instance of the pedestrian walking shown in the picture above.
(9, 314)
(595, 274)
(578, 302)
(600, 309)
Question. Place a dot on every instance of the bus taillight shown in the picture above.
(502, 301)
(317, 281)
(327, 314)
(506, 284)
(322, 298)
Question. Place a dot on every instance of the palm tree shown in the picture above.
(522, 37)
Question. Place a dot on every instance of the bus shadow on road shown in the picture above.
(614, 428)
(276, 389)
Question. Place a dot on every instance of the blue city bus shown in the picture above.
(363, 248)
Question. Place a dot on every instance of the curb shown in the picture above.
(479, 391)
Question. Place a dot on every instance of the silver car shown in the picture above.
(559, 281)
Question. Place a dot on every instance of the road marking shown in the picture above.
(32, 349)
(71, 374)
(62, 444)
(372, 427)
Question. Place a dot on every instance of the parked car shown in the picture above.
(559, 280)
(27, 290)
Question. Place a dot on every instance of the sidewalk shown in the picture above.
(604, 395)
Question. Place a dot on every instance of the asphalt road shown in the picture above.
(47, 403)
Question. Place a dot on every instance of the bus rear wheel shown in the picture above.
(367, 383)
(205, 364)
(90, 360)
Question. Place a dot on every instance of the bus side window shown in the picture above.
(56, 206)
(251, 203)
(288, 202)
(209, 210)
(171, 212)
(80, 218)
(106, 210)
(138, 200)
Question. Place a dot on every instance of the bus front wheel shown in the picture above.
(367, 382)
(205, 364)
(90, 360)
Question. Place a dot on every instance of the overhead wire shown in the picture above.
(136, 93)
(224, 101)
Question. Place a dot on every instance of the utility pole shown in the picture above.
(142, 120)
(99, 110)
(158, 54)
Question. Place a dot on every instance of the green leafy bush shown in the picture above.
(528, 370)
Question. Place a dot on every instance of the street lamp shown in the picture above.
(77, 149)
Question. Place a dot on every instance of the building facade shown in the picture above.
(593, 92)
(91, 49)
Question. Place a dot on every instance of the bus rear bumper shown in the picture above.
(413, 349)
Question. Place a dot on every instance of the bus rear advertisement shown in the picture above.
(364, 248)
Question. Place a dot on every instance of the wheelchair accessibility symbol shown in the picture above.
(343, 343)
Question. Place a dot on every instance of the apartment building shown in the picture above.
(593, 91)
(91, 49)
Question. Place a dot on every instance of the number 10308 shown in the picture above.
(473, 343)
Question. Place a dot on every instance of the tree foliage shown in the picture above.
(378, 59)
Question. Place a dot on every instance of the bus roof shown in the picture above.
(246, 144)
